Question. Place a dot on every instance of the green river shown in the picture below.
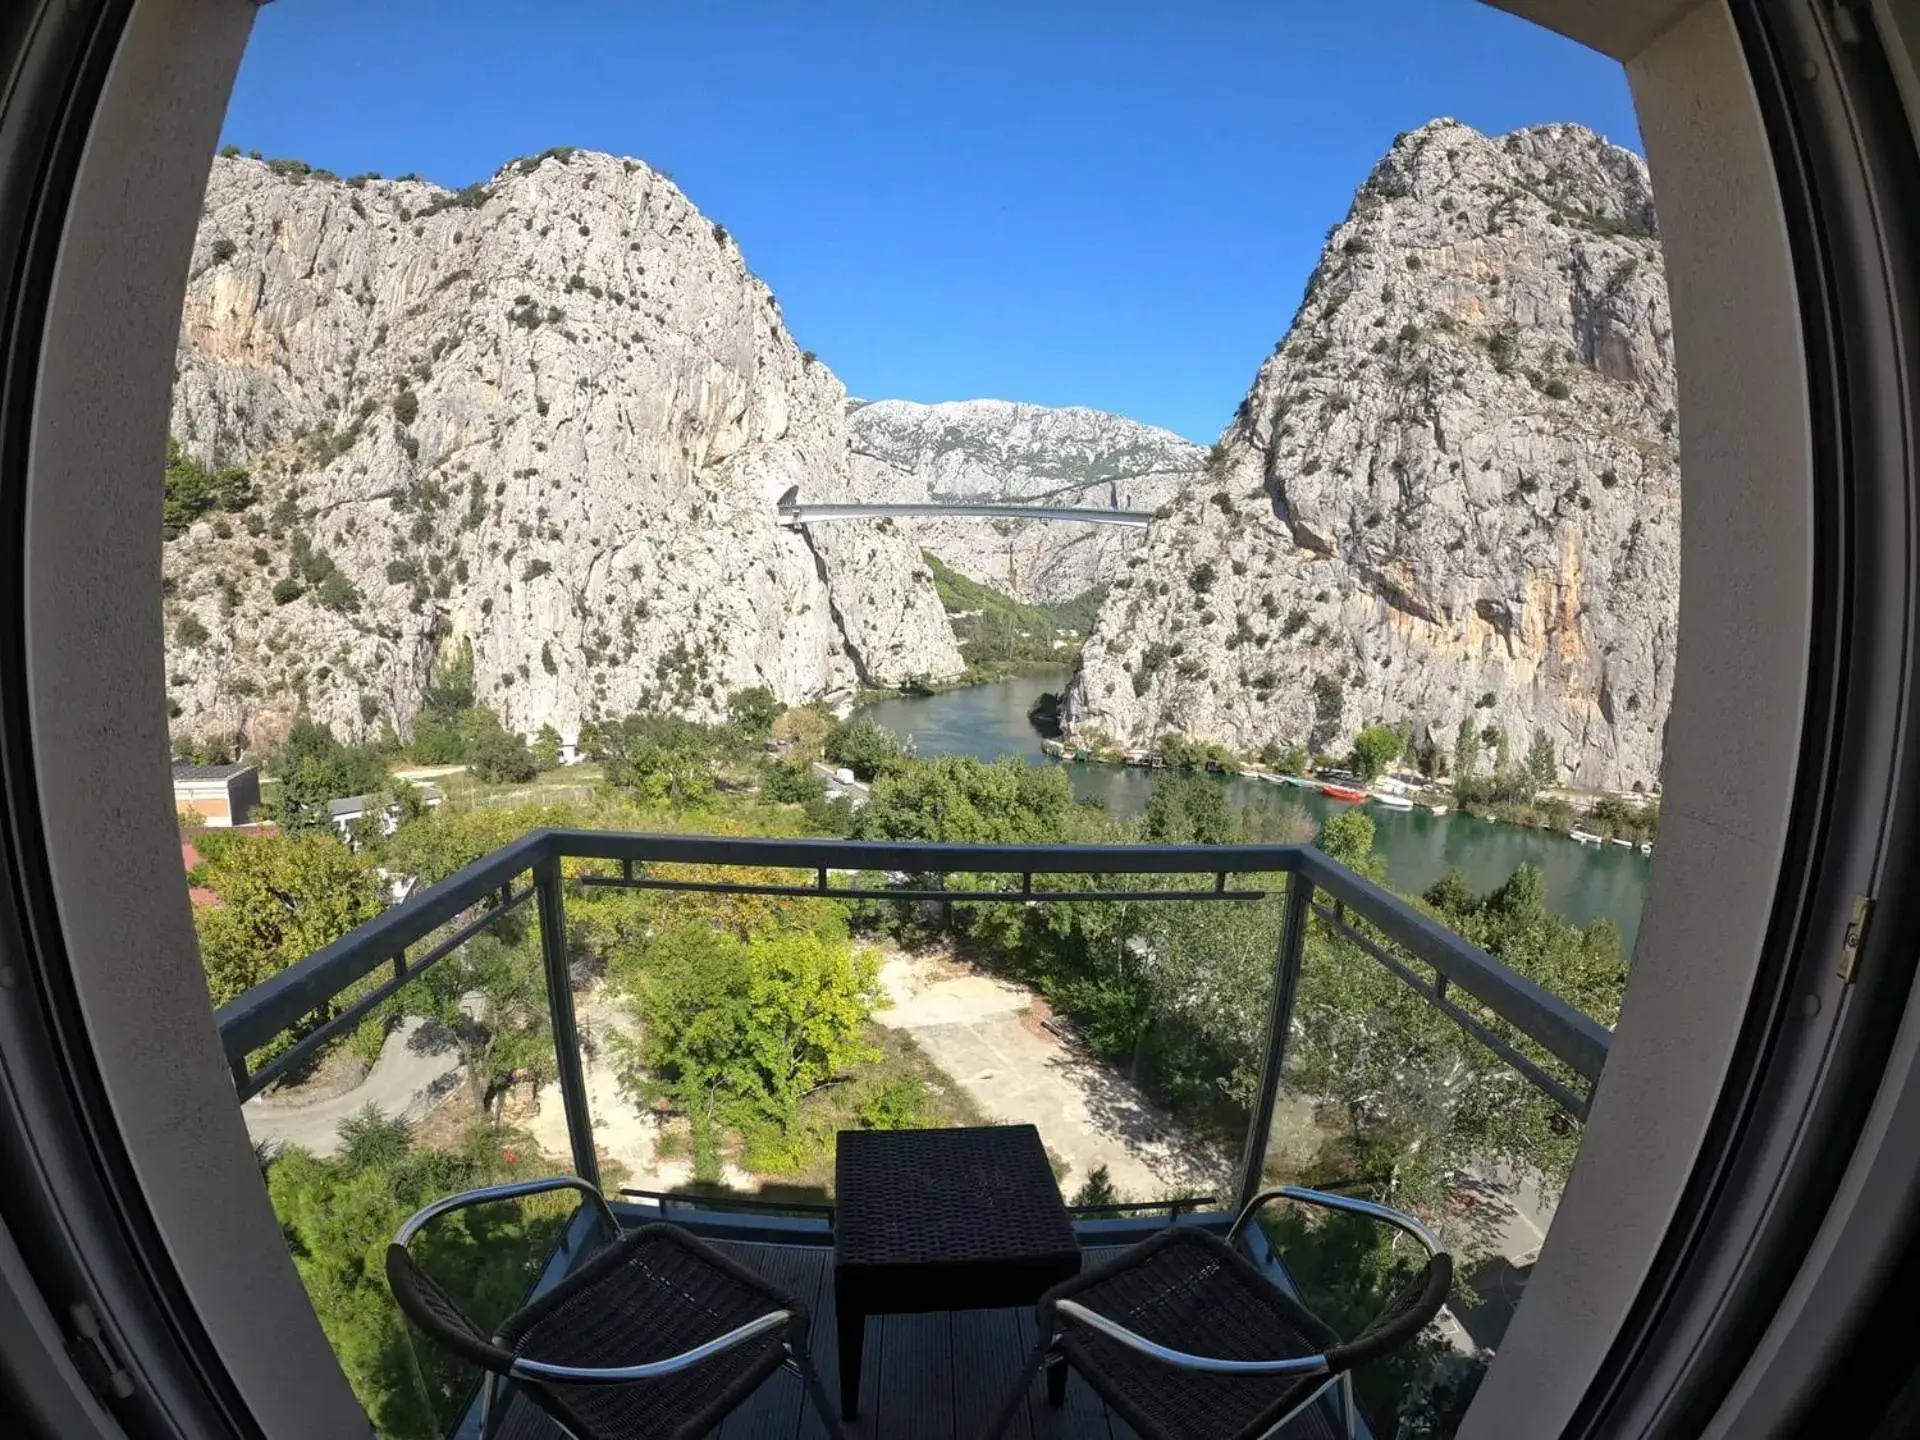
(1584, 883)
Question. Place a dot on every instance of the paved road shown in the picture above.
(407, 1079)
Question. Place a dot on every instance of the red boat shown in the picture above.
(1341, 792)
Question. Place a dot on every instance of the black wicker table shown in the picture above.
(924, 1220)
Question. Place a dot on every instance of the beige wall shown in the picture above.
(216, 810)
(1739, 694)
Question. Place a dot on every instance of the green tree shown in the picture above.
(862, 746)
(493, 753)
(340, 1214)
(735, 1031)
(281, 898)
(546, 749)
(1097, 1189)
(662, 760)
(491, 998)
(1188, 809)
(437, 737)
(961, 800)
(191, 490)
(791, 782)
(754, 710)
(1329, 706)
(1466, 756)
(1543, 765)
(314, 767)
(1375, 748)
(1347, 836)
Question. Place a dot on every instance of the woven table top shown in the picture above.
(933, 1197)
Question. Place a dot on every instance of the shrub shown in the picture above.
(190, 632)
(1556, 389)
(223, 250)
(1202, 578)
(338, 593)
(547, 662)
(402, 571)
(406, 405)
(862, 746)
(792, 782)
(287, 591)
(720, 232)
(1609, 478)
(535, 569)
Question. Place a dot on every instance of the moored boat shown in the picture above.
(1342, 792)
(1437, 807)
(1392, 802)
(1584, 837)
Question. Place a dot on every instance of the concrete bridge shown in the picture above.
(795, 515)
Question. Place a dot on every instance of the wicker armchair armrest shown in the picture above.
(525, 1369)
(426, 1214)
(1113, 1330)
(1409, 1312)
(1325, 1200)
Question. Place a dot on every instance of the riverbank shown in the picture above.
(1584, 883)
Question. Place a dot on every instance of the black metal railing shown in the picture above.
(1399, 936)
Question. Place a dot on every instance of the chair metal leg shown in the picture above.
(1346, 1401)
(1003, 1420)
(816, 1392)
(1056, 1364)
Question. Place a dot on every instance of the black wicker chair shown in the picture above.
(656, 1336)
(1186, 1339)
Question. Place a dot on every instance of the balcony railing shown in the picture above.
(1501, 1007)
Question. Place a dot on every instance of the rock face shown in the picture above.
(1453, 490)
(550, 415)
(1027, 454)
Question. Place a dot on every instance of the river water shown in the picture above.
(1583, 882)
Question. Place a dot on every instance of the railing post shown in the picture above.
(566, 1029)
(1286, 980)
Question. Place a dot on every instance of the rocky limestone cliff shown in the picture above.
(1027, 454)
(1453, 489)
(550, 415)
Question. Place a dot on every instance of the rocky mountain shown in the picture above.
(1026, 454)
(1452, 491)
(550, 415)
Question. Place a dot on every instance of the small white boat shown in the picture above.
(1584, 837)
(1623, 844)
(1646, 847)
(1392, 802)
(1436, 807)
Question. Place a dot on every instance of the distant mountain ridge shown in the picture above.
(1027, 454)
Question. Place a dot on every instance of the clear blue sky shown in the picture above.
(1098, 202)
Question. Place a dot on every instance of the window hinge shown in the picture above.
(1856, 932)
(94, 1354)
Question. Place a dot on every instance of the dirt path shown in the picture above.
(980, 1030)
(409, 1079)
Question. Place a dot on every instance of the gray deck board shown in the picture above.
(924, 1377)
